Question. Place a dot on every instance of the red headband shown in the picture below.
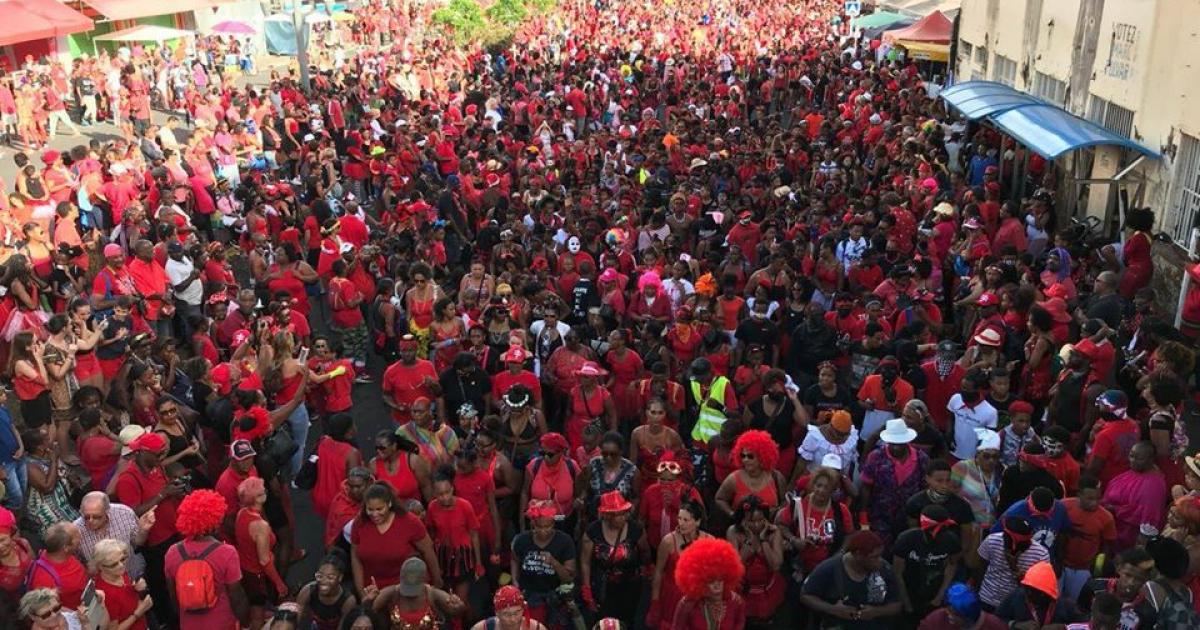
(933, 527)
(407, 342)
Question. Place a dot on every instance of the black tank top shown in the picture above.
(326, 616)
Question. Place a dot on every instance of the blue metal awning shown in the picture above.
(1047, 129)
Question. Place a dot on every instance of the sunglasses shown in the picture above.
(746, 455)
(671, 467)
(54, 610)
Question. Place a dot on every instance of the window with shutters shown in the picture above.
(1112, 117)
(1185, 189)
(1050, 89)
(1005, 71)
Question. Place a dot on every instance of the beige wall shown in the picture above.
(1147, 61)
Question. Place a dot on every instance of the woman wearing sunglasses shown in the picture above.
(42, 610)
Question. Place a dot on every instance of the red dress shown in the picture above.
(625, 371)
(768, 493)
(1138, 266)
(450, 528)
(331, 472)
(683, 346)
(583, 410)
(762, 588)
(403, 481)
(475, 487)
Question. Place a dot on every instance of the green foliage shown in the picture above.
(507, 12)
(467, 22)
(463, 16)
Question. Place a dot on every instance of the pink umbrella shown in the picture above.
(234, 27)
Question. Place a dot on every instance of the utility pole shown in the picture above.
(299, 24)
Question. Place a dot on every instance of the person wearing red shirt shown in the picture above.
(408, 379)
(120, 192)
(943, 376)
(144, 487)
(58, 568)
(746, 234)
(241, 467)
(199, 521)
(515, 374)
(353, 230)
(454, 527)
(334, 378)
(150, 280)
(1110, 449)
(1093, 531)
(383, 537)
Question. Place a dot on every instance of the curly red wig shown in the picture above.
(704, 561)
(760, 444)
(259, 421)
(200, 513)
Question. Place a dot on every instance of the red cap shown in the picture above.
(149, 442)
(988, 299)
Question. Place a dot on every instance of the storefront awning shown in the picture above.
(133, 9)
(145, 33)
(1047, 129)
(877, 19)
(37, 19)
(925, 51)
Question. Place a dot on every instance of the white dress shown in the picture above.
(815, 446)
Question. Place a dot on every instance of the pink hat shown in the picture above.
(591, 369)
(972, 224)
(515, 354)
(112, 250)
(929, 183)
(988, 299)
(240, 337)
(609, 275)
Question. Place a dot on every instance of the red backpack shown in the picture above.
(195, 583)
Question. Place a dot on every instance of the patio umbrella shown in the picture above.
(342, 16)
(234, 27)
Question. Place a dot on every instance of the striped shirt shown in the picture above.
(999, 582)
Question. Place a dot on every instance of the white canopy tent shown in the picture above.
(145, 33)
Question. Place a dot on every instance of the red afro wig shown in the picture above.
(200, 513)
(760, 444)
(704, 561)
(253, 424)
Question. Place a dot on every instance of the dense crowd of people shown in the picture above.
(688, 316)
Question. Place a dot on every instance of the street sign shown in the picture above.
(852, 8)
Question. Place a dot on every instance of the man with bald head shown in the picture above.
(58, 568)
(150, 280)
(1105, 303)
(100, 518)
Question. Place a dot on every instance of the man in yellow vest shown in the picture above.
(710, 401)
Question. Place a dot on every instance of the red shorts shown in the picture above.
(110, 367)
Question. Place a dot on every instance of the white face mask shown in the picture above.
(573, 245)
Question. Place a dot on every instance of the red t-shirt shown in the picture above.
(226, 570)
(405, 383)
(504, 381)
(71, 574)
(382, 553)
(336, 391)
(1112, 445)
(120, 601)
(452, 526)
(227, 485)
(1088, 531)
(135, 487)
(341, 293)
(99, 457)
(353, 231)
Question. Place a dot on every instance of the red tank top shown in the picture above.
(27, 388)
(246, 549)
(403, 481)
(767, 493)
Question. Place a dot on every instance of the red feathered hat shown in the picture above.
(708, 560)
(760, 444)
